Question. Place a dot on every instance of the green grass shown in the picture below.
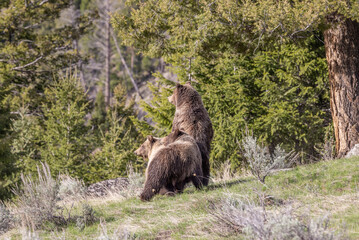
(318, 189)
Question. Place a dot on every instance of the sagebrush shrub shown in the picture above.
(261, 161)
(87, 217)
(71, 188)
(132, 189)
(136, 181)
(232, 214)
(36, 200)
(43, 200)
(118, 234)
(6, 219)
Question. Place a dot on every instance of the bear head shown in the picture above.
(148, 146)
(184, 94)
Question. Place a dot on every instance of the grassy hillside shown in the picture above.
(316, 190)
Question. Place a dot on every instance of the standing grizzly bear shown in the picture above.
(192, 118)
(170, 166)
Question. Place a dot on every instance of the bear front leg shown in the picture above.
(180, 186)
(148, 193)
(168, 190)
(157, 178)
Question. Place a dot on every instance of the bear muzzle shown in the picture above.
(171, 99)
(136, 153)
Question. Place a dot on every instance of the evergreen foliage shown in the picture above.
(26, 133)
(117, 142)
(33, 48)
(209, 29)
(159, 110)
(99, 111)
(59, 136)
(42, 119)
(280, 91)
(6, 159)
(65, 138)
(65, 143)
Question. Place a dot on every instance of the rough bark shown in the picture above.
(342, 52)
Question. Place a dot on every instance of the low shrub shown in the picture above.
(6, 219)
(87, 218)
(261, 161)
(71, 188)
(233, 215)
(36, 200)
(118, 234)
(44, 201)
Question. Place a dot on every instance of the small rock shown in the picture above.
(353, 152)
(103, 188)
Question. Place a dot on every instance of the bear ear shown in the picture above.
(176, 132)
(150, 138)
(178, 85)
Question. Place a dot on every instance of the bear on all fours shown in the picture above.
(172, 162)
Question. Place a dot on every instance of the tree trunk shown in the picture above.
(80, 65)
(125, 65)
(132, 59)
(108, 55)
(342, 52)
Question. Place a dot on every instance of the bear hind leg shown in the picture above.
(205, 164)
(197, 178)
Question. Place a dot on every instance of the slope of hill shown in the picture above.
(309, 192)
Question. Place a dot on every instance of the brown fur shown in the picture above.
(192, 118)
(169, 166)
(172, 137)
(145, 151)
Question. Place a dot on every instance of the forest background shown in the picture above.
(82, 83)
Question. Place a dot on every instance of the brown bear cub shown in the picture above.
(170, 166)
(178, 135)
(192, 118)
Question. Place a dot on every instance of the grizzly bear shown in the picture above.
(169, 167)
(192, 118)
(182, 136)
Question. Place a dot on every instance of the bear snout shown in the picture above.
(136, 153)
(170, 99)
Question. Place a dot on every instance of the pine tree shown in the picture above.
(280, 91)
(7, 166)
(117, 142)
(188, 29)
(65, 141)
(159, 111)
(26, 130)
(33, 49)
